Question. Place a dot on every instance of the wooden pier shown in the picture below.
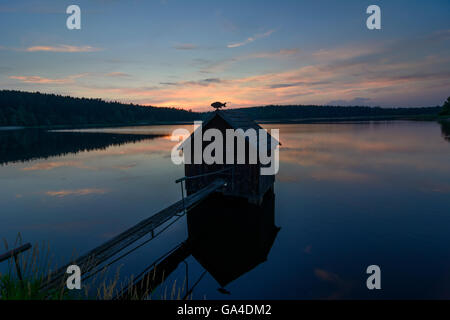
(102, 253)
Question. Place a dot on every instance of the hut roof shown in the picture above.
(238, 120)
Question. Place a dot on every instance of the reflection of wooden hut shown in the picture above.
(229, 243)
(233, 240)
(246, 179)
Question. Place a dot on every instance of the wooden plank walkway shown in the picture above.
(97, 256)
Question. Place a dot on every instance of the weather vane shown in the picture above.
(217, 105)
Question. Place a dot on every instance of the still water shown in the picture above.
(347, 195)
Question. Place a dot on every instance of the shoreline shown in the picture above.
(271, 121)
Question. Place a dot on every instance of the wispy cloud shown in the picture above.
(77, 192)
(202, 82)
(40, 80)
(274, 54)
(226, 63)
(251, 39)
(54, 165)
(43, 80)
(62, 48)
(117, 75)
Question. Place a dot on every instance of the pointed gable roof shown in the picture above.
(237, 120)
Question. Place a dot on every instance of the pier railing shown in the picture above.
(183, 179)
(14, 253)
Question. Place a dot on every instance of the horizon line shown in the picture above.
(190, 109)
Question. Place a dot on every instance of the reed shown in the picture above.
(37, 264)
(33, 265)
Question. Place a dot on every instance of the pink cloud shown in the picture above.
(43, 80)
(54, 165)
(375, 74)
(37, 79)
(62, 48)
(78, 192)
(250, 39)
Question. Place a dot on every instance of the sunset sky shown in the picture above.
(190, 53)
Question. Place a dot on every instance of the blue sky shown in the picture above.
(190, 53)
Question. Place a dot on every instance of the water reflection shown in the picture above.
(28, 145)
(230, 238)
(445, 128)
(227, 236)
(348, 195)
(358, 153)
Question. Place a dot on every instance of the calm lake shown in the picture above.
(347, 195)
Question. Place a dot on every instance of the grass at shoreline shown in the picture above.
(104, 283)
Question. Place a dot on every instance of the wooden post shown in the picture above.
(14, 254)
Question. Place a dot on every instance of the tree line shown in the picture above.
(294, 112)
(18, 108)
(446, 108)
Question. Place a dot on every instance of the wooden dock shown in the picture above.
(102, 253)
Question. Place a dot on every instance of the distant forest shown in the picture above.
(19, 108)
(312, 112)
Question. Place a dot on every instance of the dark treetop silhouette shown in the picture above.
(446, 108)
(35, 109)
(19, 108)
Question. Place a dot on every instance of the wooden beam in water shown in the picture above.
(100, 254)
(14, 252)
